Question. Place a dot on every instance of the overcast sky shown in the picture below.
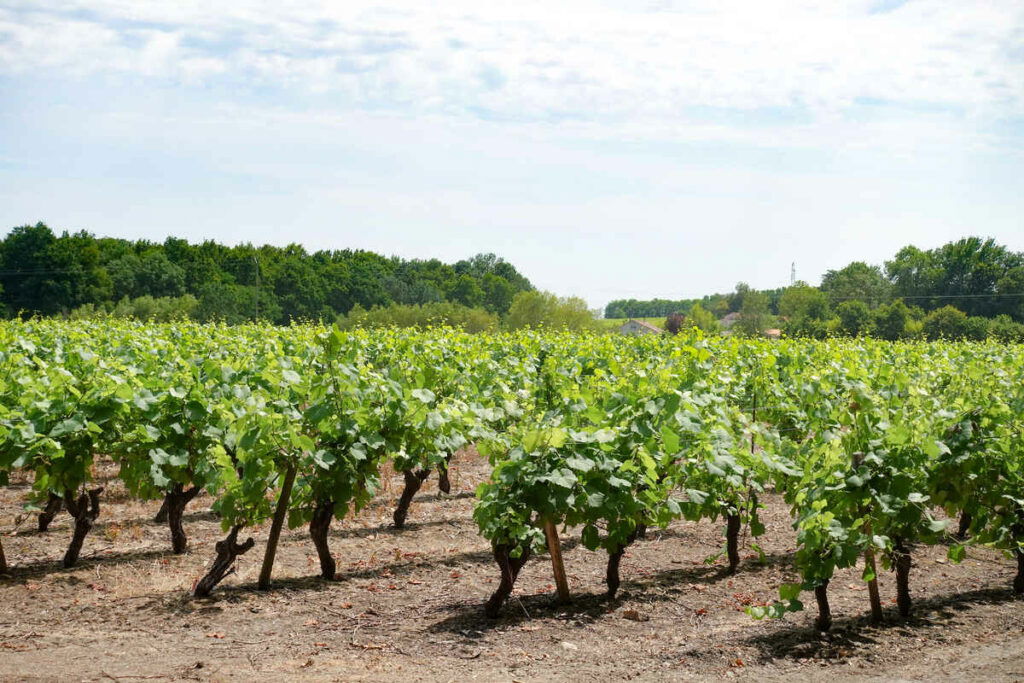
(609, 149)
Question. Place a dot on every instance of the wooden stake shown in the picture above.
(869, 559)
(869, 562)
(275, 528)
(555, 548)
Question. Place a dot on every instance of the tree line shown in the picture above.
(81, 275)
(972, 288)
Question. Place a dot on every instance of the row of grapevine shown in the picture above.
(865, 440)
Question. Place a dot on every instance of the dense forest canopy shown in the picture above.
(43, 273)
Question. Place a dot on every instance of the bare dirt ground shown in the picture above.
(407, 606)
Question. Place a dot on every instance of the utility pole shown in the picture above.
(256, 261)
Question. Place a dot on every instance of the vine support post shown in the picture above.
(555, 549)
(275, 528)
(869, 562)
(869, 559)
(902, 563)
(1018, 581)
(1018, 530)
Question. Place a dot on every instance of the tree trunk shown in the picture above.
(161, 515)
(319, 527)
(85, 509)
(228, 551)
(641, 531)
(824, 620)
(444, 484)
(174, 502)
(509, 567)
(732, 541)
(413, 482)
(902, 564)
(54, 503)
(275, 528)
(1018, 581)
(965, 525)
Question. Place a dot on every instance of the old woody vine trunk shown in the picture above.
(85, 509)
(413, 482)
(228, 551)
(319, 527)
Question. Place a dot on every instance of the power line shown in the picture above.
(1009, 295)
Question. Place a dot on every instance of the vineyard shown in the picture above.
(806, 460)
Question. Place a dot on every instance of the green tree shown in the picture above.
(544, 309)
(702, 319)
(467, 292)
(891, 320)
(855, 318)
(857, 281)
(804, 310)
(755, 317)
(1006, 330)
(498, 293)
(947, 322)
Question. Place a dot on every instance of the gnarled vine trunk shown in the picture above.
(902, 563)
(319, 526)
(85, 509)
(54, 503)
(965, 525)
(175, 501)
(824, 620)
(3, 559)
(228, 551)
(413, 482)
(732, 541)
(161, 515)
(444, 484)
(611, 577)
(510, 567)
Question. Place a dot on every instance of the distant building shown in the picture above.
(634, 327)
(729, 320)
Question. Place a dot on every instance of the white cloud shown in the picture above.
(531, 60)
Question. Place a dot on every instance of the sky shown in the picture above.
(609, 149)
